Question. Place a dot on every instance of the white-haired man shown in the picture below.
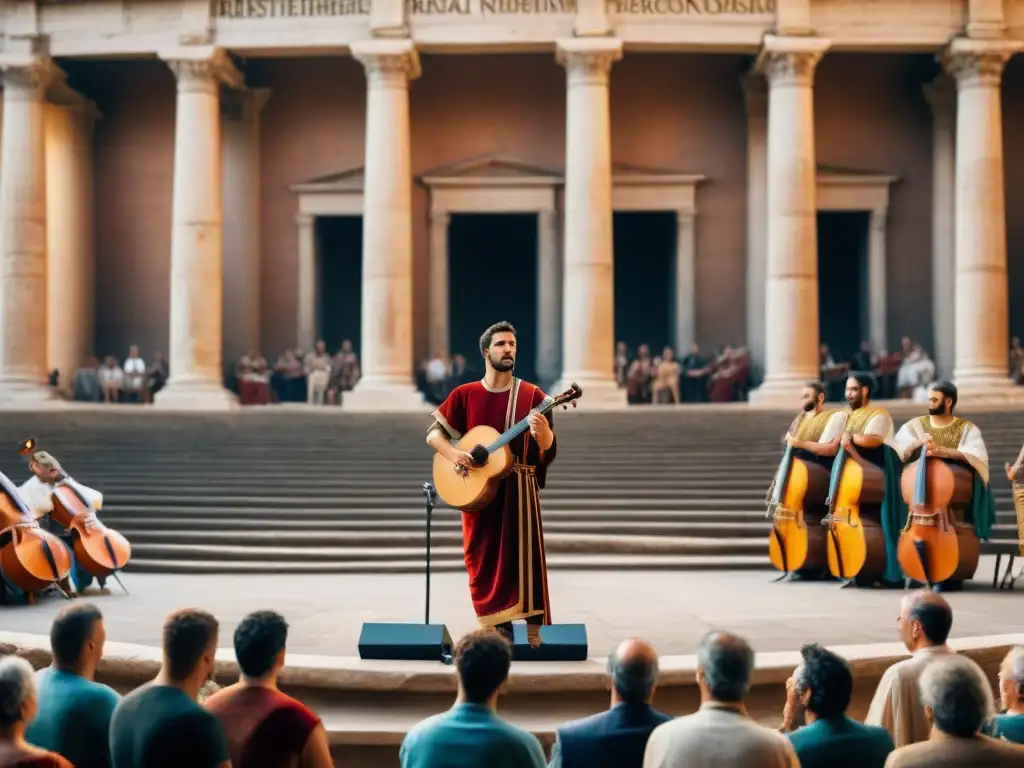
(1009, 726)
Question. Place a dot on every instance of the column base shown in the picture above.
(194, 395)
(599, 391)
(781, 391)
(17, 393)
(975, 389)
(385, 393)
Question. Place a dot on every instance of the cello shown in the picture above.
(101, 552)
(31, 559)
(797, 540)
(935, 545)
(856, 542)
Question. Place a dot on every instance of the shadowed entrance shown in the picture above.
(843, 281)
(339, 287)
(492, 276)
(645, 251)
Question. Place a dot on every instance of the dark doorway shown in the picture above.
(492, 276)
(843, 282)
(645, 257)
(340, 279)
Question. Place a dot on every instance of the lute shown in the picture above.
(473, 488)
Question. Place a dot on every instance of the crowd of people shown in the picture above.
(935, 709)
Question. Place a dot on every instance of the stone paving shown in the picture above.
(672, 609)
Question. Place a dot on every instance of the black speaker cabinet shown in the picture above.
(406, 642)
(559, 642)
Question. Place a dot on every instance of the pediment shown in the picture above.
(841, 176)
(489, 170)
(350, 180)
(627, 173)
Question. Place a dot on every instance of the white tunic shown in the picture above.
(972, 444)
(38, 496)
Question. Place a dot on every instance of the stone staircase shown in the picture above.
(324, 491)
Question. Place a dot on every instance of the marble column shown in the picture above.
(306, 302)
(197, 294)
(755, 90)
(941, 96)
(23, 288)
(438, 265)
(791, 305)
(878, 318)
(982, 292)
(70, 236)
(240, 180)
(588, 313)
(549, 297)
(387, 351)
(686, 283)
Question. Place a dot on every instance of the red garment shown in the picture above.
(503, 543)
(264, 727)
(11, 759)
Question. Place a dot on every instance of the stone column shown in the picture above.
(686, 283)
(386, 351)
(588, 319)
(549, 297)
(791, 307)
(941, 96)
(23, 313)
(982, 300)
(877, 292)
(756, 92)
(438, 264)
(240, 179)
(70, 236)
(196, 339)
(306, 303)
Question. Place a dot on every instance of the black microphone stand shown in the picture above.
(431, 497)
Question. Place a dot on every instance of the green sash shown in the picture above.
(894, 516)
(983, 507)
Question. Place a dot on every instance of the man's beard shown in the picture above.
(937, 411)
(809, 406)
(503, 364)
(856, 403)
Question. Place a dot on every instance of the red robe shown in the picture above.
(504, 542)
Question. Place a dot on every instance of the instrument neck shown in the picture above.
(519, 427)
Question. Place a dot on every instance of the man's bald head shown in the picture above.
(726, 662)
(925, 619)
(633, 669)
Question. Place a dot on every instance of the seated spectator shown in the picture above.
(134, 376)
(157, 377)
(957, 700)
(111, 380)
(74, 712)
(1009, 726)
(253, 380)
(471, 734)
(289, 378)
(160, 725)
(639, 376)
(17, 708)
(916, 370)
(86, 386)
(720, 733)
(823, 685)
(318, 374)
(266, 728)
(924, 623)
(618, 737)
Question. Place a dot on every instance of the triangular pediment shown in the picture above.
(489, 167)
(350, 180)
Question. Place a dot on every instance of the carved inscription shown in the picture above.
(283, 9)
(691, 7)
(490, 7)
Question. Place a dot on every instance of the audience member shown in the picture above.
(616, 738)
(74, 712)
(266, 728)
(923, 624)
(160, 725)
(471, 734)
(720, 734)
(823, 685)
(957, 701)
(17, 708)
(1009, 726)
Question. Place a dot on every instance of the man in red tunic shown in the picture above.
(504, 541)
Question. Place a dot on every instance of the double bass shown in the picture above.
(856, 542)
(936, 545)
(101, 552)
(795, 504)
(31, 559)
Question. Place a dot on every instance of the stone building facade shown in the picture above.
(179, 173)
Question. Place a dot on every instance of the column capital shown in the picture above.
(755, 93)
(790, 60)
(202, 69)
(978, 63)
(940, 94)
(243, 104)
(28, 74)
(588, 59)
(388, 63)
(62, 95)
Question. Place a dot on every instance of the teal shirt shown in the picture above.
(1007, 727)
(470, 736)
(73, 718)
(839, 742)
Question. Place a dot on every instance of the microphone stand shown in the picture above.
(431, 496)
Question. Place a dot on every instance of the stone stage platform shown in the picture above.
(369, 706)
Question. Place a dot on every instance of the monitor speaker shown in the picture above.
(406, 642)
(559, 642)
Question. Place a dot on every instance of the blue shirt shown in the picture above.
(839, 742)
(1006, 727)
(470, 736)
(73, 718)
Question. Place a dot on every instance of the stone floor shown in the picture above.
(672, 609)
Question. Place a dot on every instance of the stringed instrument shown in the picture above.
(856, 542)
(31, 559)
(797, 539)
(473, 488)
(935, 546)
